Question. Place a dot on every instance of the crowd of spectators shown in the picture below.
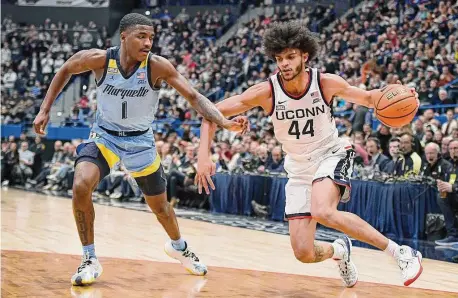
(30, 57)
(414, 43)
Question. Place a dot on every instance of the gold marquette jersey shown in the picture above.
(304, 123)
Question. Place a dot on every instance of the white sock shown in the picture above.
(179, 244)
(391, 248)
(338, 251)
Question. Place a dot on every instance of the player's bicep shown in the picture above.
(167, 73)
(255, 96)
(335, 85)
(85, 60)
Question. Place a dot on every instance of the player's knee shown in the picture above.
(323, 214)
(161, 209)
(83, 185)
(304, 254)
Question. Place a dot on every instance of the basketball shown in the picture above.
(395, 105)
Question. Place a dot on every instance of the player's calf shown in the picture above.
(304, 255)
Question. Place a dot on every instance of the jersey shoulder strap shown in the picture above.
(110, 66)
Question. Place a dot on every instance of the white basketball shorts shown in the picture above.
(334, 163)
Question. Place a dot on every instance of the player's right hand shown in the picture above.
(40, 122)
(205, 169)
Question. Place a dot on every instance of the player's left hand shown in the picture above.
(443, 186)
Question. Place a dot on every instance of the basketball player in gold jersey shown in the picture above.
(319, 164)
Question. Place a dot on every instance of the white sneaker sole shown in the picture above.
(187, 269)
(410, 281)
(354, 266)
(85, 282)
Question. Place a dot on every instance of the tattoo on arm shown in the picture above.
(208, 110)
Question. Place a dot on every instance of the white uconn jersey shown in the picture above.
(306, 128)
(125, 103)
(303, 124)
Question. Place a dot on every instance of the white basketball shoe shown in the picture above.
(347, 268)
(409, 261)
(187, 258)
(89, 270)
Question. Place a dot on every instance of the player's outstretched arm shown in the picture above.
(80, 62)
(257, 95)
(335, 85)
(166, 72)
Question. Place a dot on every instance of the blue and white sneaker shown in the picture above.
(448, 241)
(89, 270)
(409, 261)
(187, 258)
(347, 268)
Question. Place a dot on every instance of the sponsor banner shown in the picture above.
(65, 3)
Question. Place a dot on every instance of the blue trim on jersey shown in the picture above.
(107, 59)
(116, 54)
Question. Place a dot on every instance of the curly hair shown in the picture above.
(290, 35)
(133, 19)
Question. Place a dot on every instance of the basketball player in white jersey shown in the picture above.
(319, 163)
(128, 79)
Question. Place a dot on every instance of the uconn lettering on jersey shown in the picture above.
(111, 90)
(299, 113)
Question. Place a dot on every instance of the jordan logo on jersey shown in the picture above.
(111, 90)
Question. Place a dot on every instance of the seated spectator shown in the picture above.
(450, 124)
(444, 148)
(10, 164)
(261, 160)
(26, 158)
(38, 149)
(384, 135)
(182, 174)
(57, 178)
(377, 160)
(448, 198)
(57, 159)
(394, 149)
(276, 166)
(409, 162)
(435, 166)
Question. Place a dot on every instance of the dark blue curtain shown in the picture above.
(397, 209)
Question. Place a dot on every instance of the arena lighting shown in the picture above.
(84, 87)
(147, 12)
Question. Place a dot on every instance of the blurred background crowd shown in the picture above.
(411, 41)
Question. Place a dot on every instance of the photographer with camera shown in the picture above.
(448, 198)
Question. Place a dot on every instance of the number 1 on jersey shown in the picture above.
(124, 110)
(307, 130)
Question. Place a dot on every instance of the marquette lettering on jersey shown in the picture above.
(112, 90)
(125, 103)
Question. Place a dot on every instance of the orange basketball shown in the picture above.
(395, 105)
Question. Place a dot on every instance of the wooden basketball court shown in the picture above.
(41, 250)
